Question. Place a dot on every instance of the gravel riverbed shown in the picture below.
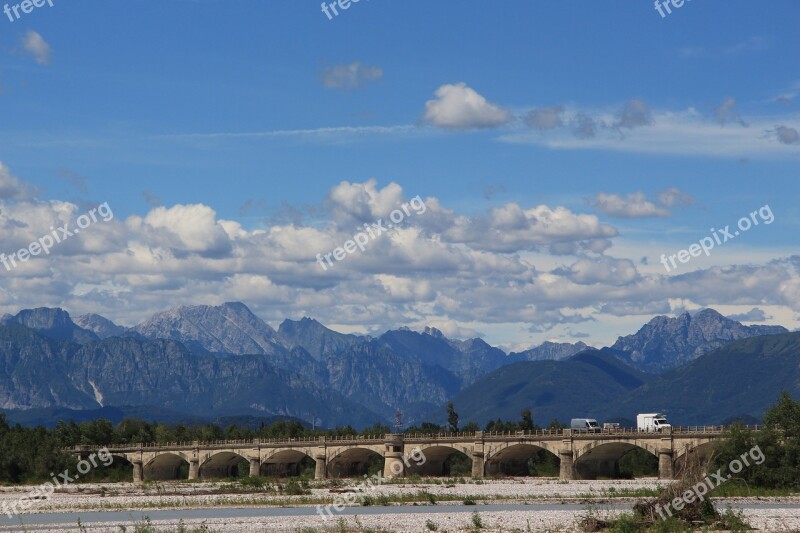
(448, 515)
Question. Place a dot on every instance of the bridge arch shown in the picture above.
(222, 464)
(442, 460)
(694, 453)
(286, 463)
(513, 459)
(602, 460)
(166, 466)
(355, 462)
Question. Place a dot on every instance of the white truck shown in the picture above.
(652, 422)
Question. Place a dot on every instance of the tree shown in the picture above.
(398, 421)
(452, 418)
(526, 422)
(784, 416)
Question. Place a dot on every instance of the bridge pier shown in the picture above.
(138, 471)
(477, 464)
(478, 456)
(321, 468)
(393, 465)
(665, 464)
(567, 468)
(255, 467)
(194, 469)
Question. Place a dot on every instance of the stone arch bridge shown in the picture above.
(581, 455)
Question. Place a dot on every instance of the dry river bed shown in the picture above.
(522, 504)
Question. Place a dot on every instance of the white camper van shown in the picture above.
(652, 422)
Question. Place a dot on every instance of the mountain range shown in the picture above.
(212, 361)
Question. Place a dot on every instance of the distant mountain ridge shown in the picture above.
(224, 361)
(551, 351)
(665, 343)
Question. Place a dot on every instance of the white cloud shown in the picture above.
(459, 107)
(183, 228)
(353, 76)
(37, 47)
(674, 197)
(511, 228)
(606, 270)
(634, 205)
(13, 188)
(753, 315)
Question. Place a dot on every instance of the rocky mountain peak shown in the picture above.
(54, 323)
(665, 343)
(99, 325)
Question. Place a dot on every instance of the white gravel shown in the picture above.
(127, 496)
(173, 496)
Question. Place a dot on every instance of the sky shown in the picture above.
(547, 154)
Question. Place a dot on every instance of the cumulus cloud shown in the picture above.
(674, 197)
(348, 77)
(37, 47)
(13, 188)
(357, 203)
(459, 107)
(511, 228)
(606, 270)
(637, 205)
(753, 315)
(183, 228)
(545, 118)
(634, 205)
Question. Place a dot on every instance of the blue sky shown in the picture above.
(235, 140)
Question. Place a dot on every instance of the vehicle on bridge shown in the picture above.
(585, 425)
(652, 422)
